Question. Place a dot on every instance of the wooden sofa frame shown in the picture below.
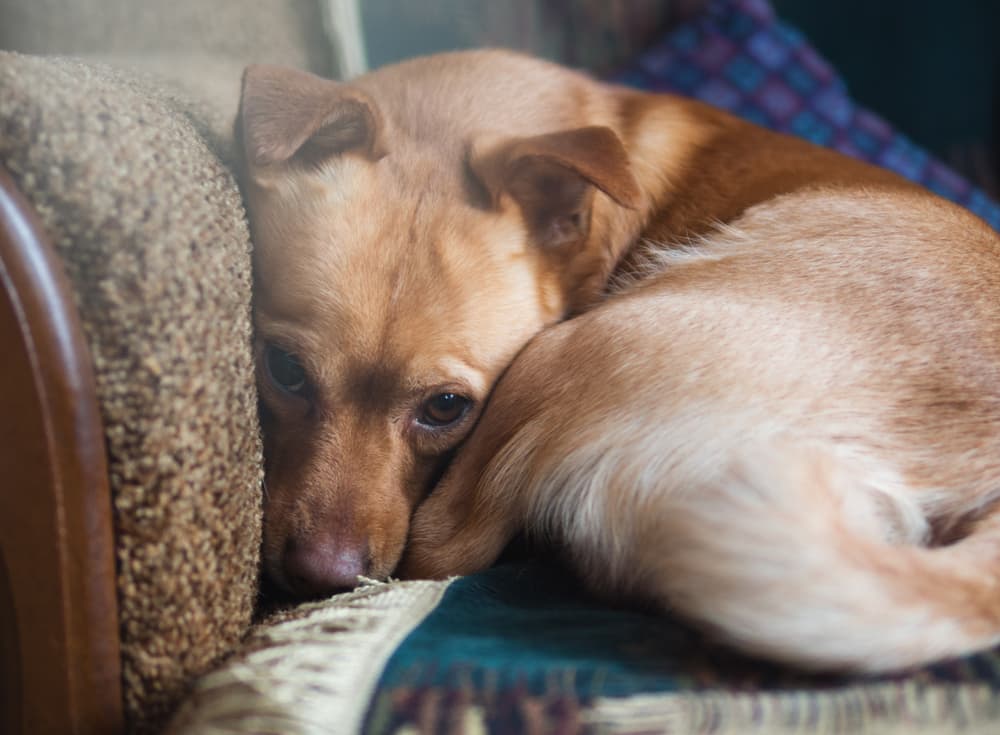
(60, 669)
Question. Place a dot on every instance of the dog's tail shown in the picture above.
(784, 555)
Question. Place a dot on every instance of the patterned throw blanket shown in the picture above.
(519, 648)
(738, 56)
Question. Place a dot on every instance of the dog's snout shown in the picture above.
(321, 567)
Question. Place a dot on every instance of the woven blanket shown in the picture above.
(519, 648)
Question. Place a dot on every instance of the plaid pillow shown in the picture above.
(738, 56)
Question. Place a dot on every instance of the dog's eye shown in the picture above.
(443, 409)
(285, 370)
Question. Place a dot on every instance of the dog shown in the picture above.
(395, 281)
(720, 370)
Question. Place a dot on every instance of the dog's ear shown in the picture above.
(287, 114)
(553, 177)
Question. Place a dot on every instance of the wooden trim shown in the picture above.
(60, 669)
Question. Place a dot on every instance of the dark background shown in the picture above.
(931, 68)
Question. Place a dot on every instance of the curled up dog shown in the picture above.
(720, 369)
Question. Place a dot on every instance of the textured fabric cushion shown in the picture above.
(286, 32)
(151, 228)
(199, 48)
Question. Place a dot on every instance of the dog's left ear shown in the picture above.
(553, 177)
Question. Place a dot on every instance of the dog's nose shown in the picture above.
(321, 568)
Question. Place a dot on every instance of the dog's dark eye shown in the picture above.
(285, 370)
(443, 409)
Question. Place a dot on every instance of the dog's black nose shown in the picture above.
(322, 567)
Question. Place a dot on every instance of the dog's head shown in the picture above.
(397, 275)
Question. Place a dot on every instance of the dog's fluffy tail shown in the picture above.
(784, 553)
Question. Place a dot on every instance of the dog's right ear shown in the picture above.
(286, 115)
(553, 177)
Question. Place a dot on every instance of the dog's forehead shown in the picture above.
(431, 298)
(368, 243)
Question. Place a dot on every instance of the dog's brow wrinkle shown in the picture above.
(396, 279)
(403, 260)
(413, 235)
(372, 388)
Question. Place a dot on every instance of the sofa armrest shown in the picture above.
(148, 224)
(60, 669)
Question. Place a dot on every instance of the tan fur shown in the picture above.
(777, 410)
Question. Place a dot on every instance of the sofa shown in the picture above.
(130, 509)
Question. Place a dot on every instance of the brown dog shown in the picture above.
(413, 230)
(782, 417)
